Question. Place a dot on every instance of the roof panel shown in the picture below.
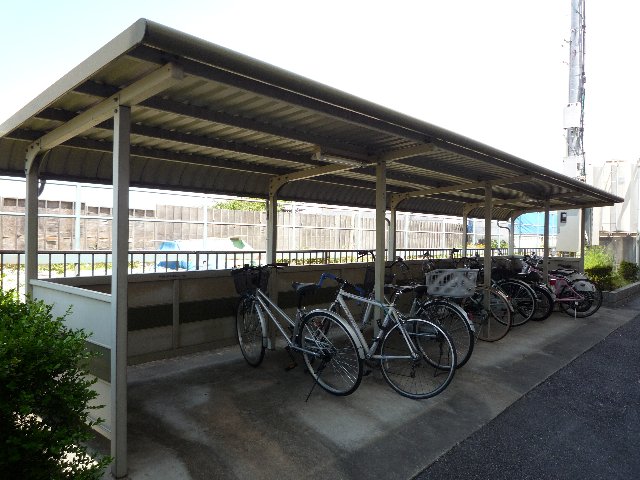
(232, 123)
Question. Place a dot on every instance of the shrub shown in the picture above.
(628, 271)
(597, 256)
(602, 276)
(44, 393)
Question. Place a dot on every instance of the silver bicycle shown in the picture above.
(417, 357)
(331, 349)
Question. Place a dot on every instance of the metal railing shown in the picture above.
(56, 264)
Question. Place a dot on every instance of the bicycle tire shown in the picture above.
(493, 325)
(587, 307)
(455, 322)
(544, 303)
(522, 298)
(251, 331)
(338, 366)
(424, 376)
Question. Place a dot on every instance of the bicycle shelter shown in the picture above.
(159, 108)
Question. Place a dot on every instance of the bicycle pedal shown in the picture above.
(370, 366)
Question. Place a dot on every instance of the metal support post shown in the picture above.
(512, 236)
(119, 289)
(381, 212)
(545, 265)
(488, 202)
(272, 226)
(465, 235)
(393, 225)
(31, 228)
(77, 214)
(584, 225)
(272, 245)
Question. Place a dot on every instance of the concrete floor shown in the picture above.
(210, 415)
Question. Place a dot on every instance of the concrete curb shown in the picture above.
(620, 296)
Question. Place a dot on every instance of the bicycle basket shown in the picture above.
(459, 282)
(248, 279)
(370, 278)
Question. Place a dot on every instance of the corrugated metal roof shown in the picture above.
(233, 123)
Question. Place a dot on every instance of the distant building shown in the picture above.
(617, 226)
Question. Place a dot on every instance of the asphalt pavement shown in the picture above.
(583, 423)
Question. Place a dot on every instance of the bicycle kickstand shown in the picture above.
(292, 364)
(315, 381)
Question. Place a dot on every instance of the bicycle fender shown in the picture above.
(347, 326)
(582, 286)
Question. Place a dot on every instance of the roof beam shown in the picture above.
(396, 199)
(276, 183)
(190, 139)
(225, 118)
(404, 153)
(155, 82)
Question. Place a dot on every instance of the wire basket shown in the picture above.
(370, 278)
(458, 282)
(248, 279)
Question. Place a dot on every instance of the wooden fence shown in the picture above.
(62, 227)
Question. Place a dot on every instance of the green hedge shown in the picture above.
(44, 393)
(628, 271)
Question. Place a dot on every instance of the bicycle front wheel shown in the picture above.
(491, 325)
(251, 331)
(330, 352)
(455, 322)
(425, 372)
(522, 298)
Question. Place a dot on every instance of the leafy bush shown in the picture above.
(602, 276)
(44, 392)
(628, 271)
(597, 256)
(598, 266)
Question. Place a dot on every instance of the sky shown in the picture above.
(495, 71)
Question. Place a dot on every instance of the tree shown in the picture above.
(245, 205)
(44, 394)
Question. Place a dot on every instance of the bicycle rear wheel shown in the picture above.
(522, 298)
(592, 299)
(330, 352)
(492, 325)
(455, 322)
(429, 371)
(251, 331)
(544, 303)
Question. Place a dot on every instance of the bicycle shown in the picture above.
(446, 314)
(576, 295)
(489, 325)
(521, 295)
(417, 357)
(331, 351)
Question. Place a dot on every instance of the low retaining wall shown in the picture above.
(620, 296)
(177, 313)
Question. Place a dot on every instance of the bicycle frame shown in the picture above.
(561, 284)
(267, 306)
(391, 315)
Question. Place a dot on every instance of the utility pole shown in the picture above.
(575, 164)
(574, 114)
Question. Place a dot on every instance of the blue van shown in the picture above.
(195, 254)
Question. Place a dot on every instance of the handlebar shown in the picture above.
(246, 266)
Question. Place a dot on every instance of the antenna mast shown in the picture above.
(574, 112)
